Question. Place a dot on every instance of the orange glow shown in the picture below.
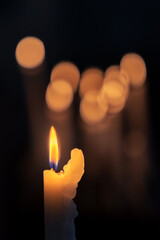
(67, 71)
(30, 52)
(53, 149)
(134, 65)
(91, 79)
(112, 72)
(114, 91)
(90, 109)
(59, 95)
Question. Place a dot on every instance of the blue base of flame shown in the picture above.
(53, 165)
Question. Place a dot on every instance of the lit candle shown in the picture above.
(59, 190)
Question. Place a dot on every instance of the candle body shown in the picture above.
(52, 204)
(59, 190)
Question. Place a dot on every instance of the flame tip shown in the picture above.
(53, 149)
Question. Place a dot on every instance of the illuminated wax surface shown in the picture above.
(30, 52)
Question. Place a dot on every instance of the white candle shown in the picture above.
(59, 190)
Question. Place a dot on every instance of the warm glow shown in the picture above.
(67, 71)
(59, 95)
(114, 91)
(91, 79)
(112, 72)
(90, 110)
(53, 149)
(134, 65)
(30, 52)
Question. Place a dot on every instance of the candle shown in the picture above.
(59, 190)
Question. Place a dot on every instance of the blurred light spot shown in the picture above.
(112, 71)
(114, 93)
(67, 71)
(30, 52)
(134, 65)
(91, 79)
(59, 95)
(135, 144)
(90, 110)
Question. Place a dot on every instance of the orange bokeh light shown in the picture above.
(91, 79)
(67, 71)
(30, 52)
(59, 95)
(90, 109)
(53, 149)
(134, 65)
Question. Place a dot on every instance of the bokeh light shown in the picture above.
(134, 65)
(59, 95)
(67, 71)
(90, 110)
(114, 93)
(91, 79)
(114, 73)
(30, 52)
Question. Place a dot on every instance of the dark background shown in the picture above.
(89, 33)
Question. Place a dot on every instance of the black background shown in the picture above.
(89, 33)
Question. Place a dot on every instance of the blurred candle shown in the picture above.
(67, 71)
(90, 109)
(134, 65)
(116, 74)
(59, 95)
(59, 190)
(112, 71)
(91, 79)
(30, 52)
(114, 93)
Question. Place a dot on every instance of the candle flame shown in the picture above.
(53, 149)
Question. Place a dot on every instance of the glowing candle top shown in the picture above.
(54, 153)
